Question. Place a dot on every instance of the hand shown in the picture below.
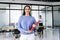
(28, 31)
(34, 25)
(38, 20)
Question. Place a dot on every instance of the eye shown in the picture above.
(27, 9)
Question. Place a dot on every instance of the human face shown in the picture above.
(27, 10)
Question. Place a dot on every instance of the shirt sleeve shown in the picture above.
(34, 20)
(19, 25)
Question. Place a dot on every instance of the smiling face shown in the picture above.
(27, 10)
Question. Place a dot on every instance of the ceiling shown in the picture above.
(47, 0)
(40, 2)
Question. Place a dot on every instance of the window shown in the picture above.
(35, 7)
(4, 6)
(15, 14)
(42, 8)
(4, 17)
(56, 18)
(48, 8)
(24, 6)
(56, 8)
(13, 6)
(35, 15)
(49, 18)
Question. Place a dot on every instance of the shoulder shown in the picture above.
(20, 17)
(32, 17)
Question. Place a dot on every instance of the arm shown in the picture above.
(33, 24)
(33, 27)
(19, 25)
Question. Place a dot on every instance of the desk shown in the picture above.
(15, 32)
(9, 28)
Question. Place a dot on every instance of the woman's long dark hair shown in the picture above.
(24, 10)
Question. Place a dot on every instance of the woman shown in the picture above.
(41, 21)
(40, 29)
(25, 23)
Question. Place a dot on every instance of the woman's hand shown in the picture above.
(28, 31)
(34, 25)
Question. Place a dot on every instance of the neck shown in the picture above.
(26, 14)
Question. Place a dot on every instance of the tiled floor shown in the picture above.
(49, 34)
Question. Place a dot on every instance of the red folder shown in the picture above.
(33, 28)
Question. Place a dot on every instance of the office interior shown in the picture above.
(11, 10)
